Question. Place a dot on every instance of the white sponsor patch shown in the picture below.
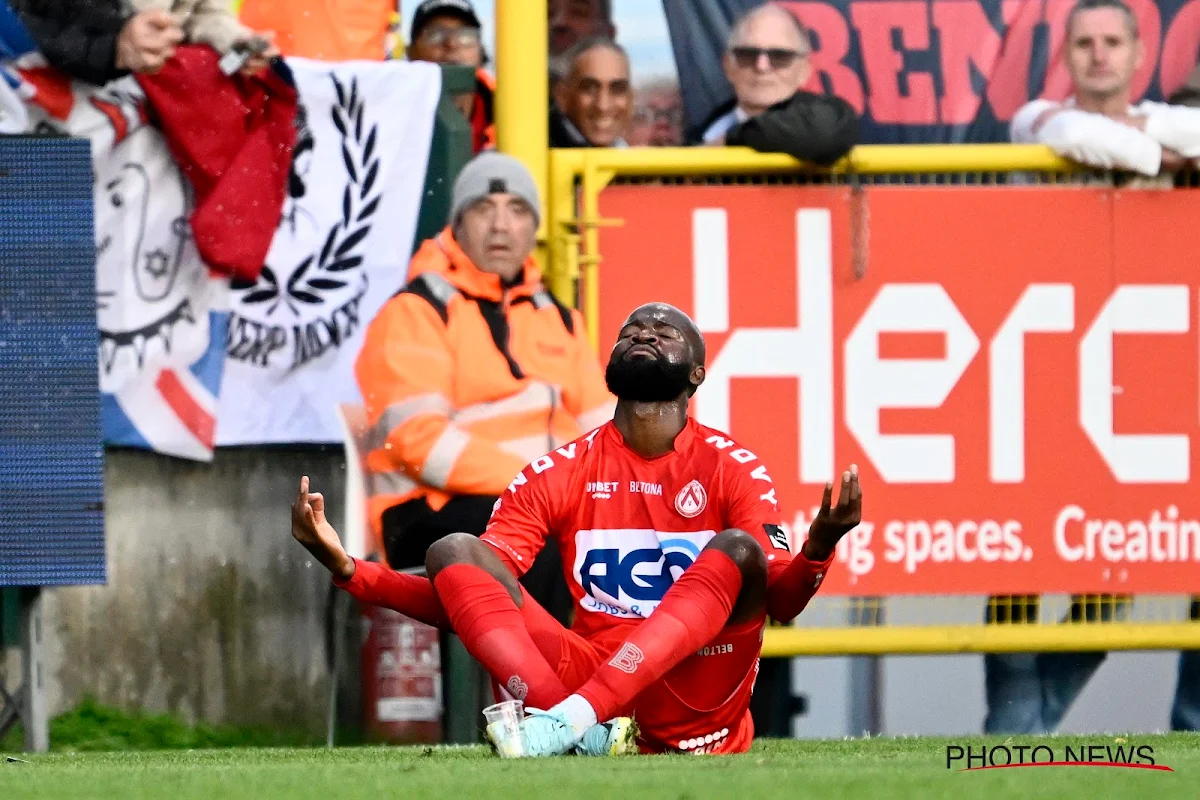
(626, 572)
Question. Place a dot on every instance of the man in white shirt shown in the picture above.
(1098, 125)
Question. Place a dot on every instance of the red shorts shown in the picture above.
(700, 706)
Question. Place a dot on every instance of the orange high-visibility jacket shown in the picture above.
(465, 382)
(325, 30)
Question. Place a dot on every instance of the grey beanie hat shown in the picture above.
(491, 172)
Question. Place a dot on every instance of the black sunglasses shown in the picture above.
(778, 57)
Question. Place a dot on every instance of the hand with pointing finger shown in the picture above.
(311, 529)
(834, 522)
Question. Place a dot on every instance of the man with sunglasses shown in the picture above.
(766, 62)
(448, 32)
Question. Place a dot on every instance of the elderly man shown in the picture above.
(767, 61)
(1098, 125)
(448, 32)
(593, 103)
(472, 371)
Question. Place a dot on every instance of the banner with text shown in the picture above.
(161, 315)
(341, 250)
(944, 71)
(1018, 383)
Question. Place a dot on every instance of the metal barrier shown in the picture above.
(852, 625)
(577, 176)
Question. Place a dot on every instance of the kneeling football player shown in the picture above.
(671, 541)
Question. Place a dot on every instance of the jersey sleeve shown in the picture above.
(523, 517)
(792, 579)
(751, 506)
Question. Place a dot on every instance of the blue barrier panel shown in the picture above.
(51, 454)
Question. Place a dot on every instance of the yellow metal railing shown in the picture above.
(946, 639)
(955, 624)
(577, 176)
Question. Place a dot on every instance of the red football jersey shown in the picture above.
(628, 526)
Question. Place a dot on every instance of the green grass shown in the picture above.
(875, 768)
(93, 727)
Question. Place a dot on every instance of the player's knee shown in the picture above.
(453, 548)
(743, 549)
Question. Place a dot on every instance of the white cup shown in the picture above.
(504, 727)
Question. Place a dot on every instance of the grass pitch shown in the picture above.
(862, 768)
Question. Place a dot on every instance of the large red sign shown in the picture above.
(1016, 372)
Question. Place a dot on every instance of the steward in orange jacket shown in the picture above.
(472, 371)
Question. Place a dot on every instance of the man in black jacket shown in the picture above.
(766, 60)
(97, 41)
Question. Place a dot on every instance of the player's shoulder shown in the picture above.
(560, 464)
(726, 453)
(718, 441)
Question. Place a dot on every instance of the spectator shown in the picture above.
(97, 41)
(472, 371)
(593, 103)
(572, 21)
(1098, 125)
(1032, 692)
(766, 61)
(657, 114)
(213, 22)
(448, 32)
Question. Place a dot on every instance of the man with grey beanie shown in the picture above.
(472, 371)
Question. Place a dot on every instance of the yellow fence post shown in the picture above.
(522, 92)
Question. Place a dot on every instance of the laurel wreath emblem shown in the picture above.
(320, 271)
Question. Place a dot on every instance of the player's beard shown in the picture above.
(647, 380)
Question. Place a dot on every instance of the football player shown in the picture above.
(673, 547)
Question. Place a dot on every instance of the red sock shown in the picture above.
(484, 616)
(691, 614)
(411, 595)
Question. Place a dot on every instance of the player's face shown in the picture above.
(654, 359)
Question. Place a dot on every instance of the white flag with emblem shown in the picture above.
(341, 250)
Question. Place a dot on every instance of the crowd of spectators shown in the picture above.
(592, 102)
(592, 97)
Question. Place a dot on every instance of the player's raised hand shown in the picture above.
(311, 529)
(834, 522)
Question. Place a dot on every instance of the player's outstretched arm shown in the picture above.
(311, 529)
(790, 588)
(366, 581)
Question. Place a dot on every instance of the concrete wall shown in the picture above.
(211, 611)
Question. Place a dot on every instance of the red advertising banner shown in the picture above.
(1016, 372)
